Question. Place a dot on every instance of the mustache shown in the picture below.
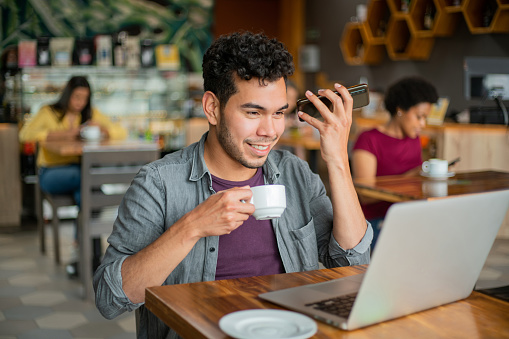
(260, 141)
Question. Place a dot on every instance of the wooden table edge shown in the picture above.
(157, 306)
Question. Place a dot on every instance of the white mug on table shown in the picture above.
(435, 167)
(91, 132)
(269, 201)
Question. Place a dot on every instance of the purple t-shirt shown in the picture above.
(393, 156)
(251, 249)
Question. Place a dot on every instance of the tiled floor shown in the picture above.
(37, 300)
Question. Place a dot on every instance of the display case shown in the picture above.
(148, 102)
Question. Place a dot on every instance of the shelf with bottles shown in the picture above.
(422, 17)
(398, 38)
(451, 6)
(403, 45)
(377, 20)
(399, 7)
(352, 44)
(356, 47)
(430, 18)
(449, 12)
(501, 18)
(11, 108)
(479, 15)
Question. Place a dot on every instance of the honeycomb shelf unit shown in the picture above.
(378, 15)
(403, 45)
(408, 32)
(447, 18)
(358, 48)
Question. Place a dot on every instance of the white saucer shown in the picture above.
(438, 177)
(250, 324)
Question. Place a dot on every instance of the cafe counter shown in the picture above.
(10, 180)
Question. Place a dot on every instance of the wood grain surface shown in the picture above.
(194, 310)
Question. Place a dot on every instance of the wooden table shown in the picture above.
(75, 148)
(397, 188)
(194, 310)
(308, 142)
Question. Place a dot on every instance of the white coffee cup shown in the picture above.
(269, 201)
(91, 133)
(435, 167)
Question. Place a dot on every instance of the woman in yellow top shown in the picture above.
(63, 121)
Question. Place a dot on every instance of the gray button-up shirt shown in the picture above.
(163, 191)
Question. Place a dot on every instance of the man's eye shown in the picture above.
(279, 114)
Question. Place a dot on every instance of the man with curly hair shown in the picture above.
(184, 218)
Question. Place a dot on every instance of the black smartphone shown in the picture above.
(359, 93)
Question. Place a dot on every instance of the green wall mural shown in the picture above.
(185, 23)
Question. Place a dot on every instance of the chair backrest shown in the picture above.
(114, 168)
(106, 171)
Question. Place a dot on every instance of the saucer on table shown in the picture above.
(263, 323)
(438, 176)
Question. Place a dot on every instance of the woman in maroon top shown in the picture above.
(394, 148)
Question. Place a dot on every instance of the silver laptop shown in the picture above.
(429, 253)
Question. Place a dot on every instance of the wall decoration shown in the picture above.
(183, 23)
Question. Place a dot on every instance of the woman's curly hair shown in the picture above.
(244, 55)
(408, 92)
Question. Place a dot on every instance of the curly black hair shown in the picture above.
(244, 55)
(408, 92)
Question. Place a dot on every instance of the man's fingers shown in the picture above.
(346, 98)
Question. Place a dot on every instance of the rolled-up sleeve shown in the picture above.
(359, 255)
(110, 297)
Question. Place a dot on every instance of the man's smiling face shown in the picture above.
(252, 121)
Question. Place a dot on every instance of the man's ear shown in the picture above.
(210, 105)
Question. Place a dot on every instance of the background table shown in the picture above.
(309, 143)
(396, 188)
(73, 148)
(194, 310)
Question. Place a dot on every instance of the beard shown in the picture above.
(225, 138)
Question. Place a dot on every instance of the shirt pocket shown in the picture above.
(304, 240)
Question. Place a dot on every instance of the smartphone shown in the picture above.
(359, 93)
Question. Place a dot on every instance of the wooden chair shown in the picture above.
(104, 166)
(56, 202)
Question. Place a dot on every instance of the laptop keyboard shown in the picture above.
(340, 306)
